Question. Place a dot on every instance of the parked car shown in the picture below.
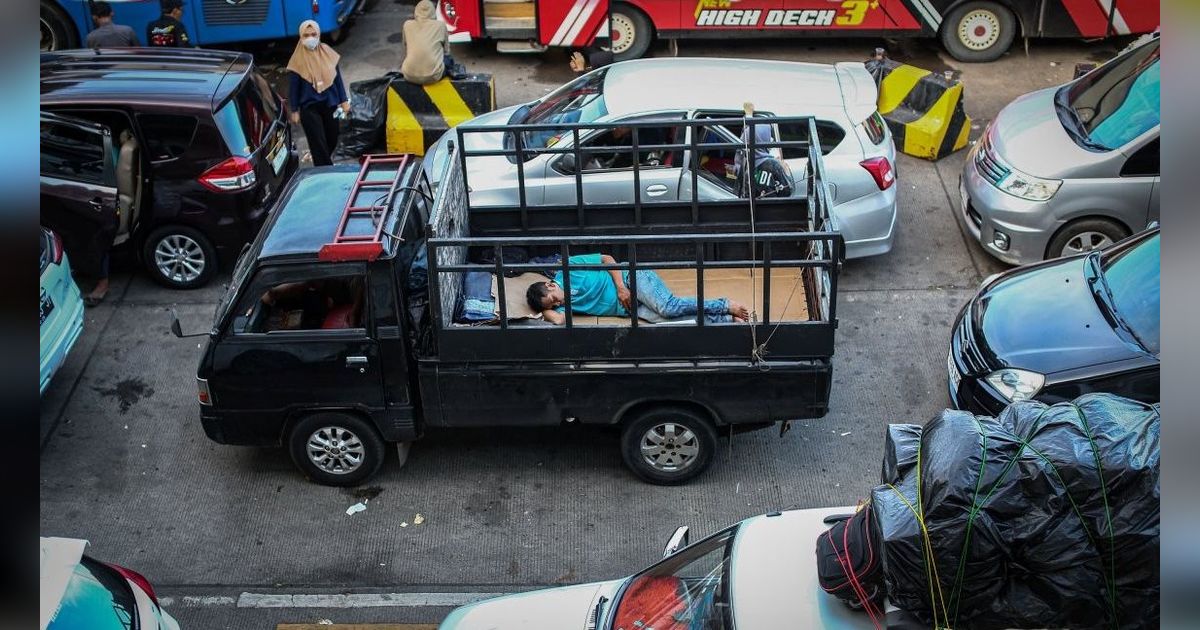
(60, 308)
(182, 150)
(858, 151)
(81, 592)
(1069, 169)
(1059, 329)
(757, 575)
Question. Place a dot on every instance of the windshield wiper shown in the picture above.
(1104, 297)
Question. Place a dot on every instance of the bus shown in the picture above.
(65, 23)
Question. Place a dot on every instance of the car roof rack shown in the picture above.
(351, 241)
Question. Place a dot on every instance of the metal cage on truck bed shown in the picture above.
(767, 239)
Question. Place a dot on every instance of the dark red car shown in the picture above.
(179, 152)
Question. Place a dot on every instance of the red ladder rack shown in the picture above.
(365, 246)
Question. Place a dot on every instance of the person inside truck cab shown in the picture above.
(318, 304)
(604, 293)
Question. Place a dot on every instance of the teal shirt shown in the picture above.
(592, 291)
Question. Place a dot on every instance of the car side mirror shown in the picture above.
(678, 541)
(567, 163)
(177, 330)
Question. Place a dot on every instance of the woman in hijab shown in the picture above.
(426, 46)
(315, 91)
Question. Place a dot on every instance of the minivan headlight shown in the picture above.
(1015, 384)
(1027, 186)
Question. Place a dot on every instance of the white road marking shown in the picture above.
(306, 600)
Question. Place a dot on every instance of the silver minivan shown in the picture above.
(1069, 169)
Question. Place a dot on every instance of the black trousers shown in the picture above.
(321, 129)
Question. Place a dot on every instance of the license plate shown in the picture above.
(952, 371)
(45, 307)
(278, 156)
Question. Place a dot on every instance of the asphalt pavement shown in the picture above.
(235, 537)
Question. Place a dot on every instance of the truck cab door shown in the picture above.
(571, 23)
(300, 337)
(78, 185)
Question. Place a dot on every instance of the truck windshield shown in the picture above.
(580, 101)
(1132, 278)
(690, 585)
(1117, 102)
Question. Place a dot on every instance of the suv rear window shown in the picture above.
(246, 118)
(830, 133)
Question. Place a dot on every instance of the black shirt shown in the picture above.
(167, 31)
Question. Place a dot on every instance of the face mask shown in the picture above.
(311, 43)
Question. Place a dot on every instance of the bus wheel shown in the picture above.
(667, 446)
(631, 33)
(57, 32)
(978, 31)
(336, 449)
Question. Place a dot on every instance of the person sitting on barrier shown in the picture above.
(315, 91)
(427, 48)
(604, 293)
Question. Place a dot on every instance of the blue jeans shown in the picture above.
(656, 303)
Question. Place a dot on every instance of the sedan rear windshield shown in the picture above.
(580, 101)
(1114, 104)
(97, 598)
(246, 118)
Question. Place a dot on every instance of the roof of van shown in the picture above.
(782, 88)
(169, 77)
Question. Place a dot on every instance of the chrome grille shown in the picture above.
(972, 361)
(225, 13)
(989, 165)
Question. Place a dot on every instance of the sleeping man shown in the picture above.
(604, 293)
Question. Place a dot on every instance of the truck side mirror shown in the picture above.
(678, 541)
(567, 163)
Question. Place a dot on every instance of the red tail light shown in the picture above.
(881, 170)
(56, 253)
(136, 578)
(232, 175)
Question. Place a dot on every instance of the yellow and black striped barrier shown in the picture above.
(417, 115)
(923, 109)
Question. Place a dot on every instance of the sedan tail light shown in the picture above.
(202, 393)
(881, 169)
(136, 578)
(232, 175)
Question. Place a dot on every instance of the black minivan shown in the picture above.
(178, 152)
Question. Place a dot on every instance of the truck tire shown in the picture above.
(57, 31)
(978, 31)
(667, 446)
(1084, 235)
(179, 257)
(631, 33)
(335, 448)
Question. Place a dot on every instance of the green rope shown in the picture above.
(962, 559)
(1112, 559)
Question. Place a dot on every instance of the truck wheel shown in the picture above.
(631, 33)
(179, 257)
(667, 446)
(336, 449)
(57, 32)
(1084, 236)
(978, 31)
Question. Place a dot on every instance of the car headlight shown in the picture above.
(1027, 186)
(1015, 384)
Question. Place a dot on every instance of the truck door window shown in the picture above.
(72, 153)
(321, 303)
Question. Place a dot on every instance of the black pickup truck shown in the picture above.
(369, 309)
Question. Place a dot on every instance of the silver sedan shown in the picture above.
(857, 147)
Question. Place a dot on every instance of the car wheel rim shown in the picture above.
(335, 450)
(1086, 242)
(48, 41)
(623, 33)
(179, 258)
(669, 447)
(979, 29)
